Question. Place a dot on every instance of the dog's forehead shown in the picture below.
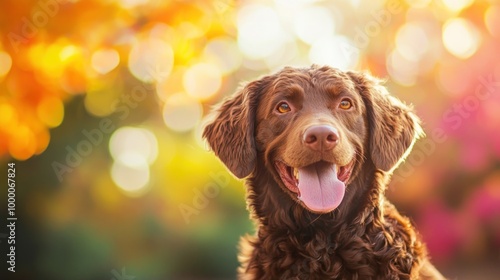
(308, 80)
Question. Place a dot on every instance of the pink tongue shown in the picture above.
(320, 189)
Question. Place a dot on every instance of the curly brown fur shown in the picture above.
(364, 237)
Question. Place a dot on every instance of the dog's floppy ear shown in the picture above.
(230, 133)
(393, 127)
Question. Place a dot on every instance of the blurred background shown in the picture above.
(101, 104)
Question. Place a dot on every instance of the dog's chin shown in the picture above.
(318, 187)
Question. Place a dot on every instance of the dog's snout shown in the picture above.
(321, 137)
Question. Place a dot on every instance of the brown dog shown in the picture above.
(318, 146)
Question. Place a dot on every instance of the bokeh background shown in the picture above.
(101, 106)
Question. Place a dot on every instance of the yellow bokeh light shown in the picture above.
(457, 5)
(44, 57)
(313, 23)
(190, 30)
(181, 113)
(202, 81)
(131, 4)
(100, 97)
(5, 63)
(492, 20)
(288, 54)
(418, 3)
(223, 52)
(171, 85)
(8, 115)
(50, 111)
(42, 141)
(22, 144)
(131, 146)
(151, 60)
(336, 51)
(105, 60)
(184, 50)
(412, 42)
(402, 70)
(260, 33)
(460, 37)
(131, 179)
(67, 52)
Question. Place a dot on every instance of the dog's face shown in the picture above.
(313, 129)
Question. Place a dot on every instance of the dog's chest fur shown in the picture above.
(376, 254)
(377, 244)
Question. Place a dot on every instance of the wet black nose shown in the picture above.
(321, 137)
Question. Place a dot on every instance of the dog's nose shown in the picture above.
(321, 137)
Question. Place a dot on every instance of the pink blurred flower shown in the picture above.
(440, 230)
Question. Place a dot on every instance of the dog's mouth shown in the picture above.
(319, 186)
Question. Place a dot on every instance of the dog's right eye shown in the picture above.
(345, 104)
(283, 107)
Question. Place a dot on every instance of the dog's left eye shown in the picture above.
(345, 104)
(283, 107)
